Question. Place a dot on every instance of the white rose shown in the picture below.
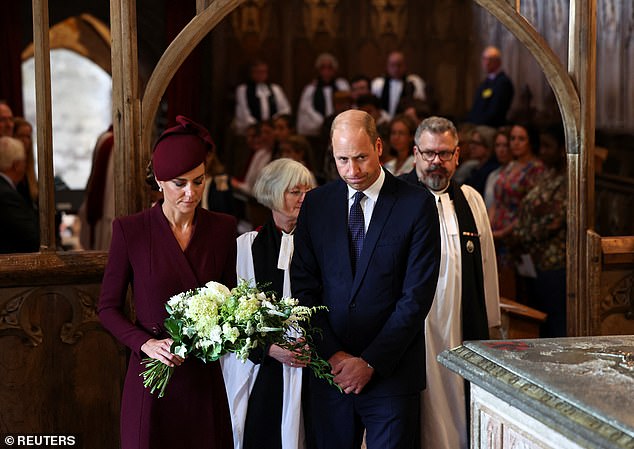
(217, 289)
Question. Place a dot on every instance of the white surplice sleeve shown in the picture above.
(309, 120)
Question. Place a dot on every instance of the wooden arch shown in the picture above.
(85, 35)
(573, 87)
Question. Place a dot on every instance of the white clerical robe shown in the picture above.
(243, 117)
(309, 120)
(396, 89)
(443, 407)
(240, 377)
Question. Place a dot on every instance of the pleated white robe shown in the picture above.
(443, 408)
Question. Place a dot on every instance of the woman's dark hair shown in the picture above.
(533, 135)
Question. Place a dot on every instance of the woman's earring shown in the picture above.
(160, 189)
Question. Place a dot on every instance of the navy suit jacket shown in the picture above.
(492, 101)
(19, 226)
(377, 314)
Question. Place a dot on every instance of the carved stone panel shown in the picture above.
(496, 424)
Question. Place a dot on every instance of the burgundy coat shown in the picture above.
(145, 254)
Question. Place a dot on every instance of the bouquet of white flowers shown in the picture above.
(211, 321)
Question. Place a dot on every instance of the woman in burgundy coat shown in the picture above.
(172, 247)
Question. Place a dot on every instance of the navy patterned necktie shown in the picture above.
(356, 229)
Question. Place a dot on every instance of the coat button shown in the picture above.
(353, 305)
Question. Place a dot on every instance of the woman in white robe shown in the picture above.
(254, 387)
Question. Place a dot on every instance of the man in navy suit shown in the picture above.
(378, 283)
(493, 97)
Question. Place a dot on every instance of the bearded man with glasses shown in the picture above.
(466, 304)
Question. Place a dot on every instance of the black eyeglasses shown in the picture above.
(429, 156)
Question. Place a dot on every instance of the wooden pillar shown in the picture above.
(44, 126)
(129, 170)
(582, 69)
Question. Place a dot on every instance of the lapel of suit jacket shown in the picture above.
(381, 212)
(164, 244)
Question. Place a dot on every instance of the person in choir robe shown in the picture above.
(19, 228)
(97, 210)
(316, 102)
(397, 85)
(258, 99)
(170, 248)
(493, 97)
(265, 392)
(466, 304)
(367, 247)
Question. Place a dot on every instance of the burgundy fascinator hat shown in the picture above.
(180, 149)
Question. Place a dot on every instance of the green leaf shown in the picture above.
(173, 327)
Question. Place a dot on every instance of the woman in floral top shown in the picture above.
(514, 182)
(541, 232)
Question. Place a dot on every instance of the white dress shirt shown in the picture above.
(370, 199)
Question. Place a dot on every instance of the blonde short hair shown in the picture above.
(11, 151)
(277, 177)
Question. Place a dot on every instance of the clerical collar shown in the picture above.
(373, 191)
(437, 193)
(283, 232)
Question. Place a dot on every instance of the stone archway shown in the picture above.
(83, 34)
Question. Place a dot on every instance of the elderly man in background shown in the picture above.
(316, 102)
(19, 229)
(466, 304)
(397, 85)
(258, 99)
(494, 95)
